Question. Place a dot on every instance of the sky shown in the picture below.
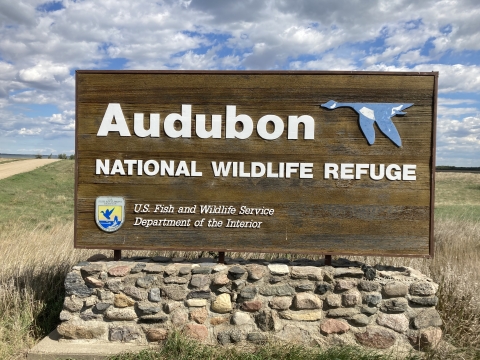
(43, 43)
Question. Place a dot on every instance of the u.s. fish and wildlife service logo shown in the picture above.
(109, 212)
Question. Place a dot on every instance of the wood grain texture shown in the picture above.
(361, 217)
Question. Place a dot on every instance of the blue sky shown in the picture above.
(43, 43)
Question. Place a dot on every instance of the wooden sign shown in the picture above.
(290, 162)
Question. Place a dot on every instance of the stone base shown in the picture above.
(53, 348)
(139, 301)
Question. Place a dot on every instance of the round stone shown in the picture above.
(222, 304)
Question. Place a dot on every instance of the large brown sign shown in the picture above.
(291, 162)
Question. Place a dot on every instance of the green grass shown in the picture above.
(457, 195)
(180, 348)
(33, 197)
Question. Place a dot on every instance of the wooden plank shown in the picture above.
(311, 215)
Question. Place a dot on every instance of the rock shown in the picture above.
(185, 270)
(136, 293)
(138, 268)
(323, 287)
(92, 269)
(94, 283)
(277, 290)
(161, 259)
(74, 285)
(265, 320)
(342, 285)
(372, 299)
(72, 303)
(302, 287)
(249, 292)
(236, 272)
(115, 285)
(396, 322)
(146, 308)
(395, 305)
(220, 279)
(202, 270)
(123, 301)
(360, 320)
(154, 295)
(171, 270)
(196, 331)
(369, 311)
(91, 300)
(334, 300)
(222, 304)
(78, 329)
(146, 281)
(223, 337)
(275, 279)
(125, 334)
(369, 286)
(120, 314)
(257, 337)
(218, 320)
(200, 294)
(430, 338)
(169, 307)
(199, 315)
(101, 307)
(333, 326)
(427, 318)
(278, 269)
(376, 337)
(238, 284)
(351, 299)
(395, 289)
(223, 290)
(251, 306)
(348, 272)
(219, 267)
(65, 315)
(174, 292)
(119, 271)
(175, 280)
(304, 301)
(105, 295)
(179, 317)
(154, 335)
(280, 302)
(200, 281)
(305, 315)
(154, 268)
(255, 272)
(307, 272)
(155, 318)
(196, 302)
(240, 318)
(423, 288)
(342, 312)
(424, 301)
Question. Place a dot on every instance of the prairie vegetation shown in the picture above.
(36, 243)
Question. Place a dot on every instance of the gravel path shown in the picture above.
(17, 167)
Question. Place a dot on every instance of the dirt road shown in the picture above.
(17, 167)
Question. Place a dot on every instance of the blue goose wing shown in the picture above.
(386, 126)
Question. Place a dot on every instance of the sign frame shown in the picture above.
(431, 244)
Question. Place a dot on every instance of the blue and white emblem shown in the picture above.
(109, 212)
(371, 113)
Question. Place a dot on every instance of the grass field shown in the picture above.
(36, 243)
